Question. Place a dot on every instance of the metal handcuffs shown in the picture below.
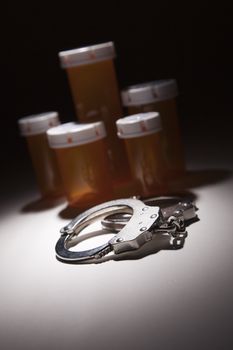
(134, 223)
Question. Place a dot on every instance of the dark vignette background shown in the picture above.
(189, 41)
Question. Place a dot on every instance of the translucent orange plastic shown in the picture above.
(96, 97)
(45, 165)
(146, 164)
(85, 174)
(171, 137)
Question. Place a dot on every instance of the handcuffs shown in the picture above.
(134, 223)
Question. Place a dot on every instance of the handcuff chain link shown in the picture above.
(178, 236)
(175, 228)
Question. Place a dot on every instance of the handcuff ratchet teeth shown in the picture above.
(133, 221)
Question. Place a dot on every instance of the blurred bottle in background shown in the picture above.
(81, 152)
(94, 88)
(160, 96)
(34, 128)
(142, 136)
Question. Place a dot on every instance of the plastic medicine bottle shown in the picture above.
(160, 96)
(93, 83)
(34, 128)
(83, 162)
(142, 137)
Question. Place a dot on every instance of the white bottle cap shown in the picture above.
(74, 134)
(87, 55)
(138, 125)
(154, 91)
(38, 123)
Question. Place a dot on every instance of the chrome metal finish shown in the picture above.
(132, 235)
(133, 223)
(185, 210)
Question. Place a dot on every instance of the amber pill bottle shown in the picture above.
(160, 96)
(34, 128)
(93, 83)
(142, 136)
(81, 153)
